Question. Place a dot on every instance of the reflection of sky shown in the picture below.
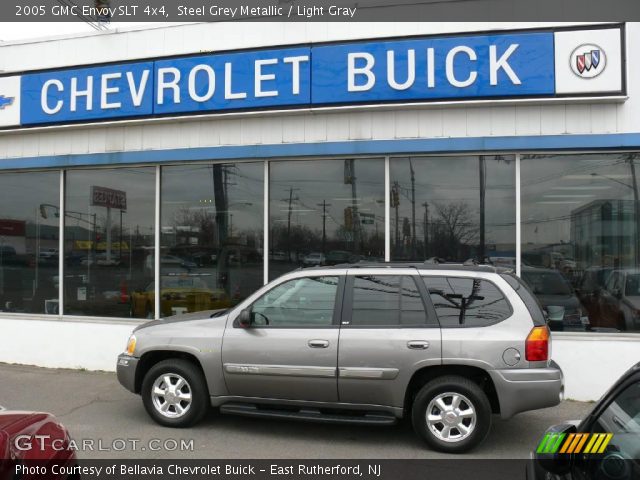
(452, 180)
(22, 193)
(318, 181)
(190, 188)
(554, 186)
(137, 183)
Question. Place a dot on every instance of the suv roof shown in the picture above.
(421, 266)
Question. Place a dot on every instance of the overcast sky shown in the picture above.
(24, 30)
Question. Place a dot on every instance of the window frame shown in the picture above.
(464, 325)
(431, 320)
(337, 306)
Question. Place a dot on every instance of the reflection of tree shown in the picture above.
(201, 222)
(453, 229)
(293, 236)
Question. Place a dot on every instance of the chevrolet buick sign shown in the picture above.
(515, 65)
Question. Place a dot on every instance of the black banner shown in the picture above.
(318, 10)
(449, 469)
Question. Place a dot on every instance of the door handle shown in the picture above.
(418, 344)
(318, 343)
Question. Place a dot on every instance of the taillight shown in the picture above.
(537, 345)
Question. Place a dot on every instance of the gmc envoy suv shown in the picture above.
(447, 345)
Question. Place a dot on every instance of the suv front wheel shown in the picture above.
(174, 393)
(452, 414)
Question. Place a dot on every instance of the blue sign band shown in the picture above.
(425, 69)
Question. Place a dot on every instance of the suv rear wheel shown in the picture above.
(452, 414)
(174, 393)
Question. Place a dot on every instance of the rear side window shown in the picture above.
(386, 300)
(466, 302)
(527, 296)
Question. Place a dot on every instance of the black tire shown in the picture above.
(195, 385)
(469, 395)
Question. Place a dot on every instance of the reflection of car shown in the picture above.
(169, 261)
(616, 418)
(178, 294)
(32, 438)
(348, 344)
(100, 259)
(278, 256)
(335, 257)
(313, 259)
(620, 299)
(49, 253)
(589, 290)
(558, 298)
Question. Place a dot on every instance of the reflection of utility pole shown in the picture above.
(426, 229)
(291, 199)
(636, 207)
(324, 206)
(2, 266)
(413, 210)
(482, 166)
(350, 178)
(395, 203)
(120, 245)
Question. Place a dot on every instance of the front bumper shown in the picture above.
(520, 390)
(126, 370)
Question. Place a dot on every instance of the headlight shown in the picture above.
(131, 345)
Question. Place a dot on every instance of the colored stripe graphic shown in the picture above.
(574, 443)
(568, 442)
(605, 442)
(550, 443)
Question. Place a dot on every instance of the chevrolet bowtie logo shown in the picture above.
(5, 102)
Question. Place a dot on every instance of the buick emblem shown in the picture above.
(588, 61)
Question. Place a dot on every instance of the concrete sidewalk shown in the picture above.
(98, 411)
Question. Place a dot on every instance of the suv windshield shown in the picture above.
(547, 283)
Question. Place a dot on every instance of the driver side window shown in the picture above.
(302, 302)
(619, 429)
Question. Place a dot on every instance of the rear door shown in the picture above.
(386, 333)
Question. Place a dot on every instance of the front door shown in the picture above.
(290, 350)
(385, 336)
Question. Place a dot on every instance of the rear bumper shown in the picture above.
(520, 390)
(126, 370)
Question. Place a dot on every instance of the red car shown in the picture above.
(37, 445)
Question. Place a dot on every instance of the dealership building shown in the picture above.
(156, 171)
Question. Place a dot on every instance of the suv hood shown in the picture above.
(187, 317)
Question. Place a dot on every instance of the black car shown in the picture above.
(617, 415)
(558, 298)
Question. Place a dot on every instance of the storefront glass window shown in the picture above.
(325, 212)
(211, 236)
(453, 208)
(109, 240)
(29, 236)
(580, 239)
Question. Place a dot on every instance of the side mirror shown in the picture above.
(546, 456)
(244, 319)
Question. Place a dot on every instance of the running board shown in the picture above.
(308, 414)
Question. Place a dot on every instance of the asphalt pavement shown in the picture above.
(106, 421)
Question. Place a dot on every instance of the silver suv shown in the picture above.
(446, 345)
